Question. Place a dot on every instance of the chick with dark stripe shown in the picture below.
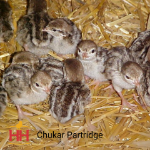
(29, 30)
(69, 98)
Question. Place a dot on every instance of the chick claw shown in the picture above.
(129, 105)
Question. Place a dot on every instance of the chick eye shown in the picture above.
(127, 77)
(37, 84)
(53, 29)
(93, 51)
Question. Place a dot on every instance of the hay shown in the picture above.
(109, 23)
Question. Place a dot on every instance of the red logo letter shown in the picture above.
(27, 135)
(10, 135)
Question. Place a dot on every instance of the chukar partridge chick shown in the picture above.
(123, 72)
(64, 36)
(93, 59)
(69, 98)
(26, 86)
(29, 30)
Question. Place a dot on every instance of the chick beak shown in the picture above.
(47, 90)
(45, 29)
(136, 82)
(84, 55)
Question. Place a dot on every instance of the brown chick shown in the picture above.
(26, 58)
(69, 98)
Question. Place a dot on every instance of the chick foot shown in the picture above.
(125, 103)
(22, 115)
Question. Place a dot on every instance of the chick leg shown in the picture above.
(96, 83)
(125, 103)
(111, 89)
(22, 115)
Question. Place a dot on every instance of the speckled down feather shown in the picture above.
(116, 58)
(53, 67)
(6, 23)
(3, 100)
(144, 87)
(26, 58)
(140, 47)
(16, 80)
